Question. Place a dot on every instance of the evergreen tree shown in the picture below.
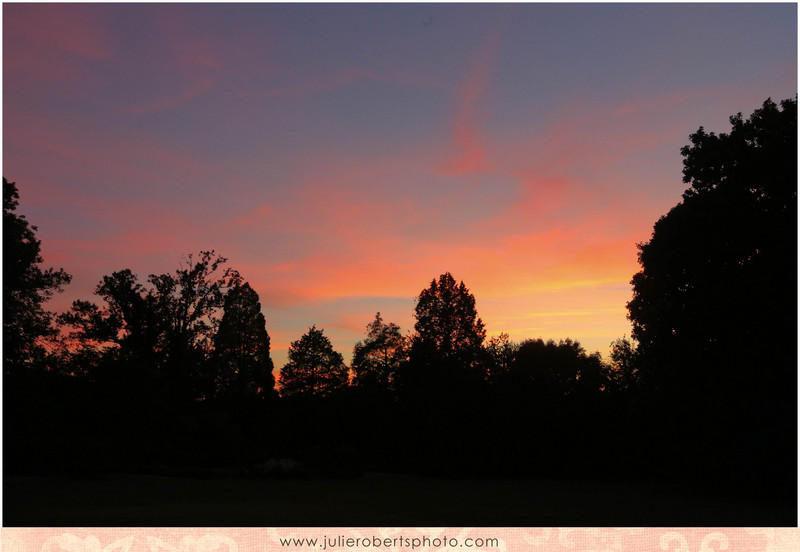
(314, 368)
(241, 346)
(447, 347)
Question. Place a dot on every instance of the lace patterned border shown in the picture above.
(401, 539)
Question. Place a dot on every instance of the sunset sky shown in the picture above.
(343, 156)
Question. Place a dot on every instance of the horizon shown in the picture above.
(343, 156)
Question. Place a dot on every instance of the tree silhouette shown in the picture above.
(314, 368)
(447, 346)
(188, 303)
(163, 332)
(501, 352)
(377, 358)
(447, 319)
(714, 306)
(624, 363)
(125, 332)
(555, 369)
(241, 346)
(26, 287)
(719, 274)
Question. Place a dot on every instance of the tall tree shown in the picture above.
(26, 287)
(714, 306)
(719, 275)
(377, 358)
(241, 359)
(188, 303)
(314, 368)
(447, 321)
(446, 349)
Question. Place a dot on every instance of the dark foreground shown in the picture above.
(372, 500)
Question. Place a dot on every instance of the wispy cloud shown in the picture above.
(57, 28)
(471, 110)
(191, 89)
(195, 61)
(54, 47)
(342, 78)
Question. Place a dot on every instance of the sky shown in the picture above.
(342, 156)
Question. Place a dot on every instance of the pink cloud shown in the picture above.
(340, 79)
(49, 46)
(56, 28)
(196, 60)
(192, 89)
(561, 231)
(92, 149)
(470, 111)
(669, 100)
(253, 219)
(373, 251)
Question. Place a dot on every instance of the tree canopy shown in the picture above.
(714, 306)
(241, 360)
(26, 287)
(719, 274)
(314, 367)
(556, 369)
(447, 319)
(446, 348)
(165, 331)
(377, 358)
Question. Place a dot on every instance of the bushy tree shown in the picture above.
(124, 332)
(241, 359)
(314, 367)
(26, 287)
(719, 275)
(556, 369)
(377, 358)
(165, 330)
(189, 300)
(189, 303)
(130, 319)
(714, 306)
(500, 353)
(624, 372)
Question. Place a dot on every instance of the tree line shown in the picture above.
(199, 334)
(704, 387)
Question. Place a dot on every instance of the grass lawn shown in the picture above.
(373, 500)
